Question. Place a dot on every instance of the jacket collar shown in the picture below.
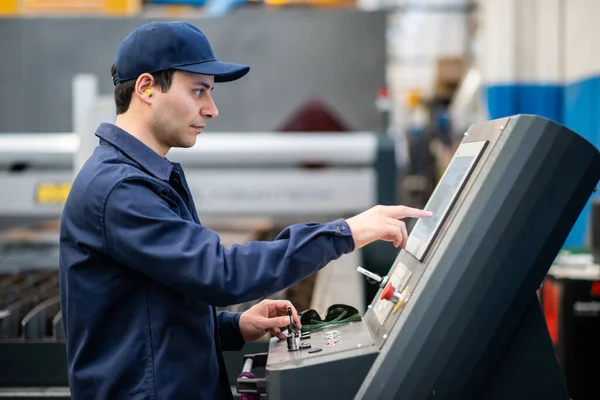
(133, 148)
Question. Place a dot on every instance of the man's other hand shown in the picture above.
(383, 223)
(267, 316)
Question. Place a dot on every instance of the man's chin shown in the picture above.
(186, 144)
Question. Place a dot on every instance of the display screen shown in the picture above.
(443, 197)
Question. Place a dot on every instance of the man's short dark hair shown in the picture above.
(124, 90)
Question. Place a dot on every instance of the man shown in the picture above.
(140, 275)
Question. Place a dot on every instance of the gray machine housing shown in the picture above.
(467, 322)
(270, 174)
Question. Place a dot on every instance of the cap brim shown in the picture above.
(222, 71)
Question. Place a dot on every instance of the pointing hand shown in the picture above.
(383, 223)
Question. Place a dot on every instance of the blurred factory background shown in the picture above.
(349, 103)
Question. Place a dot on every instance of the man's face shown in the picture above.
(180, 114)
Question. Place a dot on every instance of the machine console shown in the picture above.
(452, 317)
(408, 267)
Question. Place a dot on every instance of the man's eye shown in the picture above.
(199, 92)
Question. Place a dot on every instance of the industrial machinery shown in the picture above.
(282, 176)
(457, 316)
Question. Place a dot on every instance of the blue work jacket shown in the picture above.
(140, 278)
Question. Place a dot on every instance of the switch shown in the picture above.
(373, 277)
(391, 294)
(293, 335)
(399, 298)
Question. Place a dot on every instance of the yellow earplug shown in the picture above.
(148, 92)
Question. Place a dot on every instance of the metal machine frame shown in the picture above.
(457, 316)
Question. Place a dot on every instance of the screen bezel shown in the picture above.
(418, 248)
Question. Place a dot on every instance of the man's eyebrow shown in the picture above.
(206, 85)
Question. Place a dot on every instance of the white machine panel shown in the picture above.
(399, 279)
(278, 149)
(282, 192)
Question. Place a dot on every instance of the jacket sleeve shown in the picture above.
(229, 330)
(144, 231)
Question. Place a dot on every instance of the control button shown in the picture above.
(391, 294)
(388, 292)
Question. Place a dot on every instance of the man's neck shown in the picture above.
(143, 134)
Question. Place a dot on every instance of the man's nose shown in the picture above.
(210, 109)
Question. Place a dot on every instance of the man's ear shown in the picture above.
(144, 87)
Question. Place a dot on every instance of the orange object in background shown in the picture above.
(313, 3)
(550, 305)
(413, 98)
(9, 7)
(61, 6)
(65, 7)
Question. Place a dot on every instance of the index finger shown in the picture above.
(399, 212)
(281, 308)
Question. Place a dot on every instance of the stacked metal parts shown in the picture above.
(30, 305)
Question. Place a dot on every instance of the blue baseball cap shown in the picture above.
(160, 46)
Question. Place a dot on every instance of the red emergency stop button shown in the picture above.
(388, 292)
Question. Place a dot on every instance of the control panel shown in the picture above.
(453, 313)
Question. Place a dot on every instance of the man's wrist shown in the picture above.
(237, 320)
(229, 330)
(345, 244)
